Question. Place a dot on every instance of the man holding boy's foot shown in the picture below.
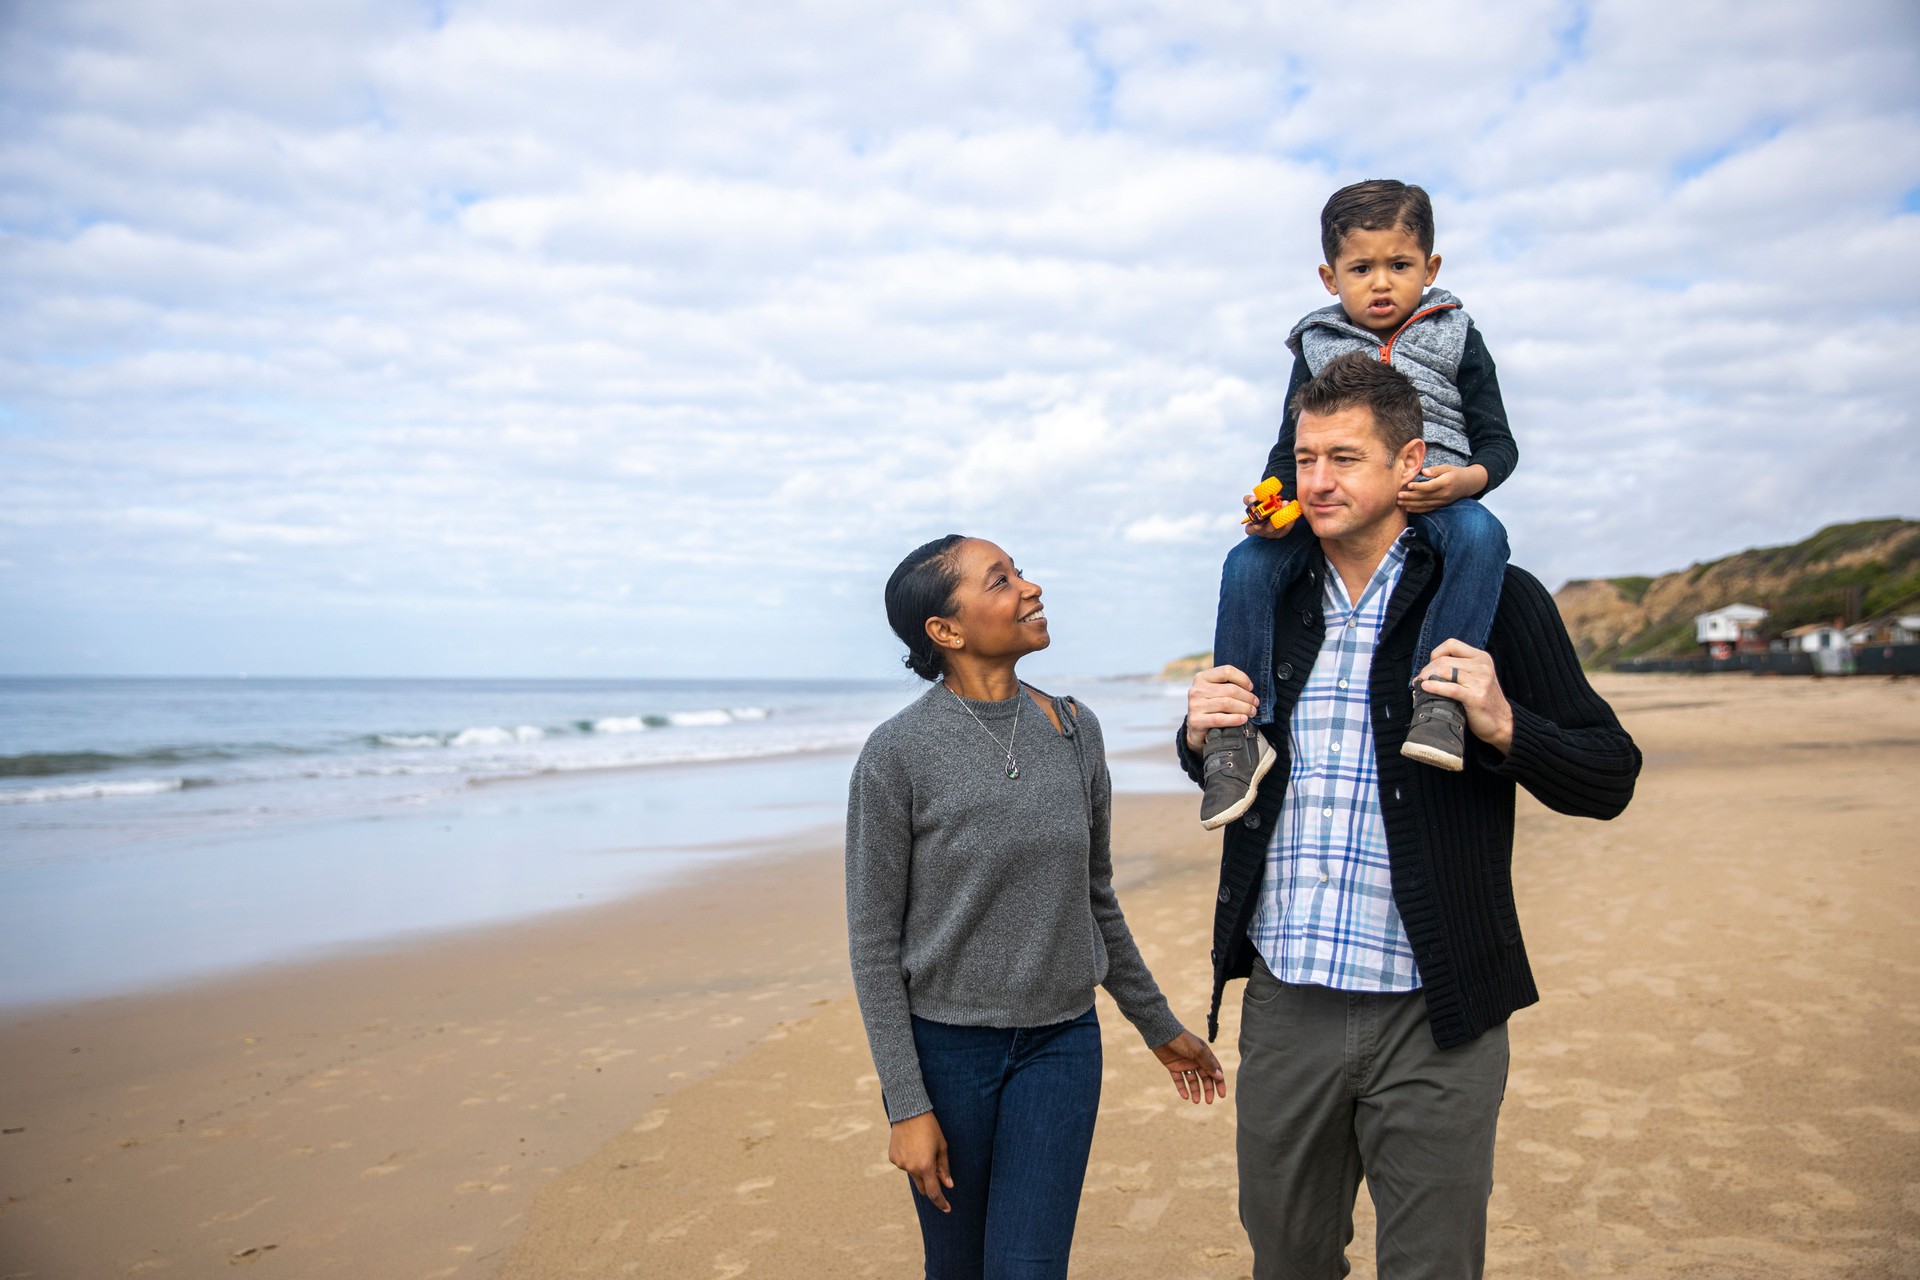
(1369, 901)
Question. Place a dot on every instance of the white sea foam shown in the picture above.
(93, 790)
(494, 736)
(620, 724)
(748, 713)
(697, 719)
(408, 739)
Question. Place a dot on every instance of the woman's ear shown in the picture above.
(944, 634)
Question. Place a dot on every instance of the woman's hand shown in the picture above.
(918, 1146)
(1218, 698)
(1190, 1061)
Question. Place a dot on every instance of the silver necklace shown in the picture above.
(1013, 766)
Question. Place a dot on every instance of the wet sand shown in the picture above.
(1723, 1078)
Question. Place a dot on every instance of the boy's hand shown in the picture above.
(1262, 527)
(1436, 486)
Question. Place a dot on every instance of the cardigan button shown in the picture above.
(1251, 822)
(1224, 894)
(1284, 671)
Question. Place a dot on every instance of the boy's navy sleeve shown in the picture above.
(1280, 460)
(1487, 430)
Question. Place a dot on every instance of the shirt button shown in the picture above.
(1326, 813)
(1343, 684)
(1323, 877)
(1336, 746)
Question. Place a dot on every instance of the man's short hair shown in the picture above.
(1359, 378)
(1379, 204)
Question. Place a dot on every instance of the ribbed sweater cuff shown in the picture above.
(906, 1099)
(1564, 773)
(1157, 1025)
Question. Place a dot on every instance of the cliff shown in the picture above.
(1845, 571)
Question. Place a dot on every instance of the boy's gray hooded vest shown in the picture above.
(1427, 348)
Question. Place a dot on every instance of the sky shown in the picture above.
(570, 339)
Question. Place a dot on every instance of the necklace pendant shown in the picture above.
(1013, 771)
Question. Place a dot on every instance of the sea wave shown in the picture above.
(93, 790)
(617, 724)
(49, 764)
(495, 736)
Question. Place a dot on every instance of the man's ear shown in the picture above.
(1411, 458)
(944, 634)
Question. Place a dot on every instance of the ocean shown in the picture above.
(154, 831)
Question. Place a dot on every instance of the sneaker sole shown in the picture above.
(1245, 802)
(1432, 755)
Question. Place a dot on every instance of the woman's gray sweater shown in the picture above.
(980, 900)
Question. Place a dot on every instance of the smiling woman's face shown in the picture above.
(997, 613)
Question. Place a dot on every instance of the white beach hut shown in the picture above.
(1727, 630)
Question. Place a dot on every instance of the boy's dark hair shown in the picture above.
(1378, 204)
(922, 587)
(1359, 378)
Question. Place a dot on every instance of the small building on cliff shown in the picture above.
(1730, 629)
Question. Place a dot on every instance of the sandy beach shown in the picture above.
(1722, 1079)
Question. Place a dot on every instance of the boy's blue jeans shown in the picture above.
(1473, 552)
(1017, 1107)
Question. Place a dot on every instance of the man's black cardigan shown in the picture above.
(1449, 835)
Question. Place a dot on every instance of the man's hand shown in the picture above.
(1439, 485)
(1263, 527)
(918, 1146)
(1466, 675)
(1190, 1061)
(1219, 697)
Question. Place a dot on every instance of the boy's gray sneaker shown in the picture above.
(1236, 759)
(1438, 734)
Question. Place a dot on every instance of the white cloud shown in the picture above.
(612, 327)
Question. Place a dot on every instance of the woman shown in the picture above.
(981, 916)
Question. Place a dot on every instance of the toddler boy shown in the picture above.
(1378, 241)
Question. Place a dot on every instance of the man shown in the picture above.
(1369, 902)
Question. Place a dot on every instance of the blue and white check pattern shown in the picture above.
(1326, 915)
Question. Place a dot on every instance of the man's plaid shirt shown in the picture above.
(1326, 915)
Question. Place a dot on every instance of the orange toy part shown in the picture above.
(1268, 506)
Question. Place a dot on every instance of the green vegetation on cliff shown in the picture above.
(1845, 572)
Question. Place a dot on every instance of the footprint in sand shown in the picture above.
(751, 1186)
(1826, 1192)
(1714, 1041)
(1556, 1164)
(234, 1215)
(1810, 1139)
(392, 1164)
(676, 1228)
(841, 1129)
(612, 1231)
(1898, 1121)
(650, 1121)
(1727, 1175)
(728, 1265)
(1145, 1213)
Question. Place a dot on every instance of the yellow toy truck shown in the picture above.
(1267, 505)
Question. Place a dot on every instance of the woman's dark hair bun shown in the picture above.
(922, 587)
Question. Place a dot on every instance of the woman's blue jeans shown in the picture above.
(1017, 1107)
(1473, 553)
